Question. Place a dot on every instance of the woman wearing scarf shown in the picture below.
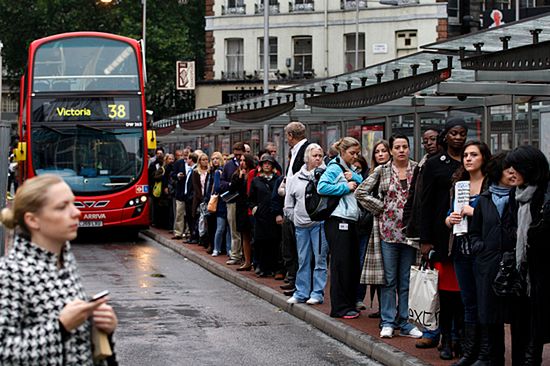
(493, 233)
(530, 167)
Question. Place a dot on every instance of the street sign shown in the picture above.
(185, 75)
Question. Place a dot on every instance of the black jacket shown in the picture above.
(261, 190)
(180, 166)
(492, 235)
(299, 161)
(436, 189)
(538, 259)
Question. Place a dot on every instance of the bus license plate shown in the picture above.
(90, 223)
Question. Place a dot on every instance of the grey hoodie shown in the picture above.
(295, 198)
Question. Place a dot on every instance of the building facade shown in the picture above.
(315, 38)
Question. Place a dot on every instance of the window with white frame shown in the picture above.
(406, 42)
(302, 55)
(234, 7)
(300, 5)
(350, 52)
(9, 104)
(234, 57)
(272, 53)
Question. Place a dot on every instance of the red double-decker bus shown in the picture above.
(82, 116)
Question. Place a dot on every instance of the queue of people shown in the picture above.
(390, 216)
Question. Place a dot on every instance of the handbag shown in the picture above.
(508, 280)
(213, 203)
(424, 297)
(157, 189)
(229, 197)
(101, 345)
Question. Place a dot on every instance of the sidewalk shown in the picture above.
(360, 334)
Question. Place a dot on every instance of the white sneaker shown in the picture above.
(215, 253)
(292, 300)
(360, 305)
(413, 333)
(386, 332)
(313, 301)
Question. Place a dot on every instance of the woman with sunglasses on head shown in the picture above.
(341, 180)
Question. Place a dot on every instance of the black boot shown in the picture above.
(533, 353)
(469, 345)
(446, 352)
(484, 356)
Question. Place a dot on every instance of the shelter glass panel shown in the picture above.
(278, 137)
(501, 128)
(371, 133)
(316, 134)
(332, 135)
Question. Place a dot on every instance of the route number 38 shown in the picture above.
(117, 111)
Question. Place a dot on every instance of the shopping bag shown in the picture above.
(213, 203)
(424, 298)
(203, 213)
(157, 189)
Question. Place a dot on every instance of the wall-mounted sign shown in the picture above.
(380, 48)
(231, 96)
(185, 75)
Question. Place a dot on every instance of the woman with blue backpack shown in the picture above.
(341, 180)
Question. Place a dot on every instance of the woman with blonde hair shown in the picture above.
(341, 180)
(199, 180)
(45, 313)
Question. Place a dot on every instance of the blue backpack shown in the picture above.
(319, 207)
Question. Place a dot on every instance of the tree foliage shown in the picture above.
(174, 32)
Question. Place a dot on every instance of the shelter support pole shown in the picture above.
(5, 129)
(513, 117)
(388, 128)
(417, 136)
(486, 123)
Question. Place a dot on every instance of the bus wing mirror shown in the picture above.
(20, 152)
(151, 140)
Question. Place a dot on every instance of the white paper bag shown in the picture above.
(424, 298)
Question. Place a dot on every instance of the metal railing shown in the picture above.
(234, 10)
(300, 7)
(352, 4)
(273, 8)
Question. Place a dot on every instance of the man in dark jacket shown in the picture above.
(229, 168)
(178, 174)
(154, 164)
(188, 198)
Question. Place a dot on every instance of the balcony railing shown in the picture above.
(235, 75)
(273, 8)
(234, 10)
(348, 5)
(301, 7)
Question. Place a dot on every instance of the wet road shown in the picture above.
(173, 312)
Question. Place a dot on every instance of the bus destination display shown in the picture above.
(86, 109)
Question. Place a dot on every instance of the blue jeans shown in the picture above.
(464, 268)
(362, 288)
(222, 228)
(398, 259)
(311, 243)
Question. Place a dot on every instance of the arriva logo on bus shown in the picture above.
(64, 112)
(94, 216)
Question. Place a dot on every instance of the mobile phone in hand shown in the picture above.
(99, 295)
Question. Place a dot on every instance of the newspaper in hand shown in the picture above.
(462, 198)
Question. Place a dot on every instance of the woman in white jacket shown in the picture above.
(310, 235)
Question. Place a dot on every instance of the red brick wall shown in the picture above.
(209, 44)
(442, 29)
